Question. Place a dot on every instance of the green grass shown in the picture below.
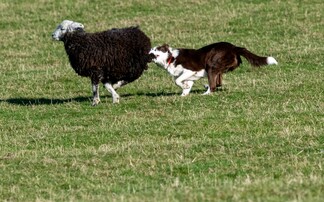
(259, 139)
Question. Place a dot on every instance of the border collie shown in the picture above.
(188, 65)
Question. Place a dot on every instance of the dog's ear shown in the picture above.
(165, 45)
(164, 48)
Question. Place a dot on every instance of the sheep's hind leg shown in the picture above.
(111, 90)
(118, 84)
(95, 91)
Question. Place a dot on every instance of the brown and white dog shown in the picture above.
(188, 65)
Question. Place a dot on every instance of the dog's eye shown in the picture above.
(157, 55)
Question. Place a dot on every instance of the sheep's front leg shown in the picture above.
(95, 92)
(186, 86)
(111, 90)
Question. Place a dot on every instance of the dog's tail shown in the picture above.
(254, 59)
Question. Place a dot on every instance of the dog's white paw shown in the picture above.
(185, 92)
(207, 92)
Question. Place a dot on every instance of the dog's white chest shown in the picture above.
(175, 70)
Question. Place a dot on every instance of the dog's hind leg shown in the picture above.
(213, 73)
(219, 80)
(207, 91)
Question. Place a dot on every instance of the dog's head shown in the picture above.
(162, 55)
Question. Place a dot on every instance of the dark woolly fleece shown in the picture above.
(109, 56)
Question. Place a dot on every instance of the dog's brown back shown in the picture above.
(217, 59)
(222, 53)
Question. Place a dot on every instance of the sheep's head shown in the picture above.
(65, 27)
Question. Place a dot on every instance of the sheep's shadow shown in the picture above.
(43, 101)
(54, 101)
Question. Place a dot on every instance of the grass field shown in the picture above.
(259, 139)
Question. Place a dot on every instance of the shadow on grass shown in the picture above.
(52, 101)
(43, 101)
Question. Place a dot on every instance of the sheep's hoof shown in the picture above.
(116, 100)
(95, 102)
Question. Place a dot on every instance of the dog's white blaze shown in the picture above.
(271, 61)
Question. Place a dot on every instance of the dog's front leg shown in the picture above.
(186, 91)
(186, 86)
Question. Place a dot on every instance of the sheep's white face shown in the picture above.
(65, 27)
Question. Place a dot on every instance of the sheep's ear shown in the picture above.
(79, 29)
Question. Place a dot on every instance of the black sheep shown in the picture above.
(114, 57)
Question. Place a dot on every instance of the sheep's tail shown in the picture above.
(254, 59)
